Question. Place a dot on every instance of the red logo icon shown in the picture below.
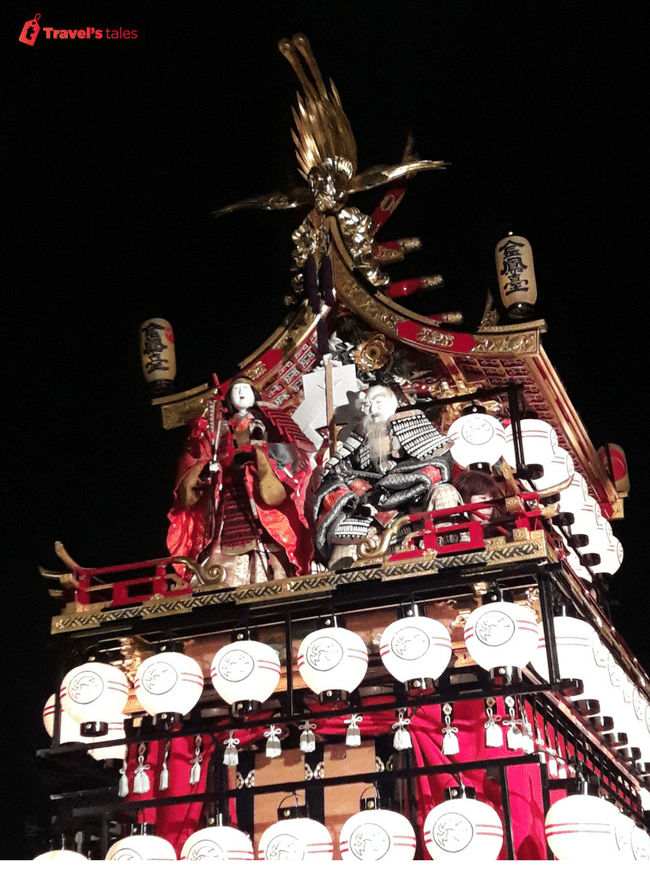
(30, 30)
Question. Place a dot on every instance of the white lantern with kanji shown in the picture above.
(502, 637)
(374, 834)
(245, 673)
(463, 828)
(94, 694)
(142, 846)
(477, 439)
(415, 650)
(218, 843)
(332, 661)
(295, 838)
(168, 685)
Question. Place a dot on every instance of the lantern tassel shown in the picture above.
(402, 739)
(273, 745)
(123, 788)
(493, 732)
(195, 770)
(141, 781)
(307, 738)
(353, 733)
(449, 739)
(163, 782)
(230, 754)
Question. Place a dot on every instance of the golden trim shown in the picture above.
(497, 552)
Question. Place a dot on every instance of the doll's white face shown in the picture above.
(242, 397)
(381, 403)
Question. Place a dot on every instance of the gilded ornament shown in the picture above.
(373, 354)
(433, 336)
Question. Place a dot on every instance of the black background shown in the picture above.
(120, 149)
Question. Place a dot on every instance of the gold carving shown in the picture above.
(432, 336)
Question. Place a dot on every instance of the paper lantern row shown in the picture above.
(580, 827)
(330, 660)
(582, 655)
(480, 439)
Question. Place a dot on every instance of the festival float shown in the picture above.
(382, 627)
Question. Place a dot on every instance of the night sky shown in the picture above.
(119, 150)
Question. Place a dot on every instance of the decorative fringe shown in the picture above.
(353, 733)
(123, 788)
(195, 770)
(307, 738)
(493, 732)
(163, 783)
(231, 755)
(273, 745)
(449, 739)
(402, 738)
(141, 782)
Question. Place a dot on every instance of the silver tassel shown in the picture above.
(141, 783)
(493, 732)
(527, 742)
(449, 740)
(307, 738)
(402, 738)
(353, 733)
(514, 735)
(195, 770)
(163, 783)
(123, 788)
(230, 754)
(273, 746)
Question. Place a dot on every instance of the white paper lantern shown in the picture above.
(623, 835)
(539, 443)
(477, 439)
(573, 497)
(218, 843)
(69, 728)
(245, 673)
(94, 694)
(640, 842)
(501, 636)
(641, 712)
(582, 827)
(375, 834)
(577, 567)
(463, 829)
(67, 855)
(558, 471)
(588, 522)
(574, 640)
(611, 551)
(115, 732)
(295, 839)
(332, 661)
(168, 684)
(142, 847)
(415, 650)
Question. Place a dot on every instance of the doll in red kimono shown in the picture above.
(240, 491)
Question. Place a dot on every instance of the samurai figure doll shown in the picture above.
(399, 464)
(240, 492)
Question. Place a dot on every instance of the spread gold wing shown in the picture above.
(377, 175)
(270, 201)
(322, 128)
